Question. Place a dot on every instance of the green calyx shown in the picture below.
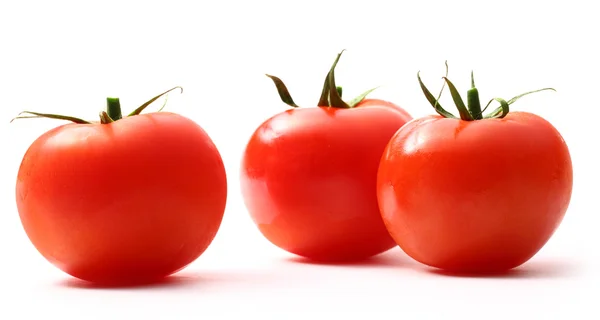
(112, 113)
(472, 111)
(331, 95)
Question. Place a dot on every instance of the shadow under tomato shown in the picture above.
(546, 269)
(392, 258)
(174, 281)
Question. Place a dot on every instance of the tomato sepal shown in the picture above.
(433, 100)
(460, 105)
(283, 91)
(113, 111)
(33, 114)
(105, 118)
(331, 94)
(352, 103)
(472, 111)
(504, 109)
(147, 103)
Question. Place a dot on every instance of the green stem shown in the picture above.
(473, 103)
(113, 108)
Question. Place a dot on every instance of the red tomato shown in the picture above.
(128, 201)
(308, 177)
(475, 194)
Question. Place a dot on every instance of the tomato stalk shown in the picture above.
(472, 111)
(331, 94)
(473, 103)
(113, 108)
(112, 113)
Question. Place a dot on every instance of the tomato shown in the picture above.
(127, 200)
(474, 194)
(308, 176)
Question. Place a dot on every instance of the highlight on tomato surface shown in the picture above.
(308, 175)
(474, 193)
(125, 200)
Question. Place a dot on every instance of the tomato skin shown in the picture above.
(131, 201)
(308, 180)
(475, 196)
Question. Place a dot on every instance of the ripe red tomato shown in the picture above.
(474, 194)
(128, 200)
(308, 175)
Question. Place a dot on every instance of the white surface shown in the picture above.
(67, 57)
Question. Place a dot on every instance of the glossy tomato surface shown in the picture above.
(475, 196)
(308, 179)
(130, 201)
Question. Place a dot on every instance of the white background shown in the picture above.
(67, 57)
